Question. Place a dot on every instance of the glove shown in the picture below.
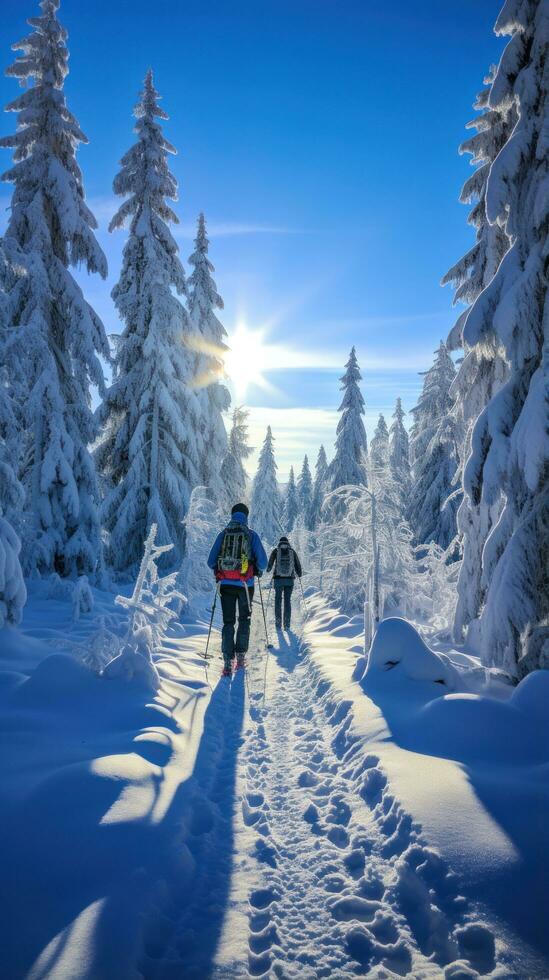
(258, 573)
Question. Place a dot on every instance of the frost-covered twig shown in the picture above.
(151, 607)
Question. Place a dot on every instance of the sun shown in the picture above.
(247, 359)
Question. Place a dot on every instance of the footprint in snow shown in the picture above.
(338, 836)
(262, 898)
(340, 811)
(354, 907)
(307, 778)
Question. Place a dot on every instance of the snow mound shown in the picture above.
(398, 647)
(532, 695)
(57, 680)
(133, 666)
(432, 705)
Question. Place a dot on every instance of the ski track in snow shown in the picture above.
(293, 829)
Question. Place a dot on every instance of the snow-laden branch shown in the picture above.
(154, 603)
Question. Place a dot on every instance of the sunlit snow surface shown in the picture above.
(318, 816)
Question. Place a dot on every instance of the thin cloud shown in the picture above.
(281, 358)
(226, 229)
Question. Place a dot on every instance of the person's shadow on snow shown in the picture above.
(286, 649)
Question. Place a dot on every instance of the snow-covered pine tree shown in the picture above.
(266, 504)
(478, 266)
(510, 442)
(148, 453)
(12, 588)
(305, 494)
(208, 338)
(347, 466)
(379, 445)
(433, 447)
(319, 487)
(234, 478)
(59, 334)
(291, 504)
(202, 524)
(483, 368)
(399, 451)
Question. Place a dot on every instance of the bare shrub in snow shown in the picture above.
(154, 603)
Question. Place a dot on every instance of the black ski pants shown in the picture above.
(234, 599)
(283, 596)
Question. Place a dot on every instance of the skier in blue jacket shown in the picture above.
(237, 556)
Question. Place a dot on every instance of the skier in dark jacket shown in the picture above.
(237, 556)
(286, 565)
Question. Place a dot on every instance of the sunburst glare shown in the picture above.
(247, 359)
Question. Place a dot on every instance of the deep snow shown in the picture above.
(315, 816)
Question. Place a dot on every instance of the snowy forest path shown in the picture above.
(305, 865)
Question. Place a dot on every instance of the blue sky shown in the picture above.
(320, 139)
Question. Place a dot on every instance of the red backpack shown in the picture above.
(235, 554)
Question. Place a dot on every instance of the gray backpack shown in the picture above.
(285, 561)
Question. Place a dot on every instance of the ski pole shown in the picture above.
(269, 596)
(211, 623)
(303, 597)
(268, 645)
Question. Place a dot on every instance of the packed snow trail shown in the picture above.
(305, 864)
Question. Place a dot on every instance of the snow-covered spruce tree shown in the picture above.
(148, 452)
(478, 266)
(208, 339)
(379, 445)
(510, 443)
(319, 487)
(399, 451)
(305, 494)
(433, 500)
(266, 506)
(59, 334)
(382, 483)
(347, 466)
(234, 478)
(12, 588)
(202, 523)
(483, 369)
(291, 504)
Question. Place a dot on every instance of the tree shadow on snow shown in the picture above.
(503, 755)
(67, 873)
